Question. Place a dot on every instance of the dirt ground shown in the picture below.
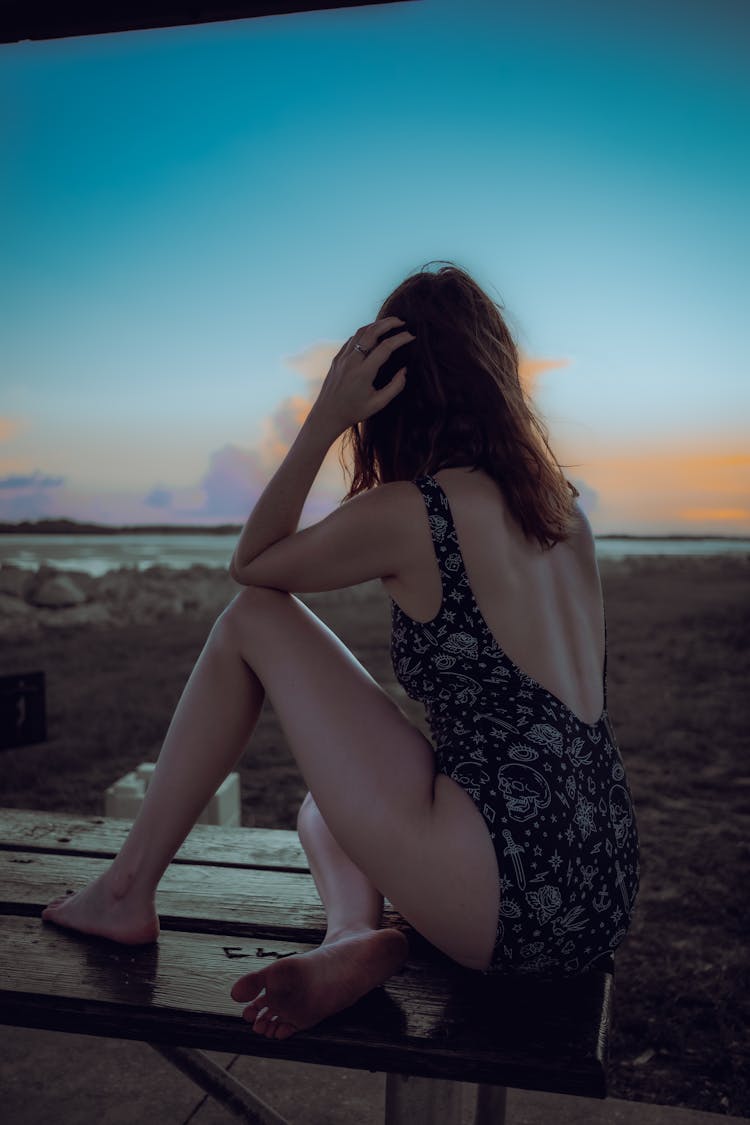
(679, 700)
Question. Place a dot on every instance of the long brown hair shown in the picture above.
(463, 404)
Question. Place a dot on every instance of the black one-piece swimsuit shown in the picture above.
(552, 789)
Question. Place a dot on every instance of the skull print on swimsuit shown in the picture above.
(552, 789)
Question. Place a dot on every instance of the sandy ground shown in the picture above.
(117, 661)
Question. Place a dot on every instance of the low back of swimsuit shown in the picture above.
(552, 789)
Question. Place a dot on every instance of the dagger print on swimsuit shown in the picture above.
(552, 789)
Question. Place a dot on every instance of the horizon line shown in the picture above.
(67, 526)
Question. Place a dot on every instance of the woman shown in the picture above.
(510, 844)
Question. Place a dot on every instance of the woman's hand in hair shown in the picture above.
(348, 395)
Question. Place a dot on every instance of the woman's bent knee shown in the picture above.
(251, 598)
(307, 809)
(232, 622)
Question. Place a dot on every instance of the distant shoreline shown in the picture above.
(73, 527)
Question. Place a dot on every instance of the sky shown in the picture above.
(192, 221)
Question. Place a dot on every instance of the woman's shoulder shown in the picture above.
(581, 533)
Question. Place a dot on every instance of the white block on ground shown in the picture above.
(125, 797)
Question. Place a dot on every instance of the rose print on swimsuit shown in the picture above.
(438, 527)
(546, 901)
(549, 737)
(463, 644)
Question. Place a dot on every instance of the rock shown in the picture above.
(91, 614)
(14, 580)
(85, 582)
(11, 606)
(55, 592)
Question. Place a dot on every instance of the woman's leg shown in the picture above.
(209, 731)
(352, 904)
(418, 838)
(354, 909)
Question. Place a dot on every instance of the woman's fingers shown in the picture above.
(388, 346)
(368, 336)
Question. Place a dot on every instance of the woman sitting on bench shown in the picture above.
(509, 841)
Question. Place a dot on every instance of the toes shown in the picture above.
(262, 1022)
(284, 1030)
(55, 903)
(252, 1011)
(272, 1026)
(248, 986)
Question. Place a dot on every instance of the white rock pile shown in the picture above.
(50, 598)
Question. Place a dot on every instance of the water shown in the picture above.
(626, 548)
(96, 554)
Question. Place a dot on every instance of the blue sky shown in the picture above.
(192, 219)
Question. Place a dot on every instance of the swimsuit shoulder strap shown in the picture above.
(443, 531)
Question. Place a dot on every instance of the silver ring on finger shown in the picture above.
(359, 348)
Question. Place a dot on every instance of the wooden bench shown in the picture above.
(231, 899)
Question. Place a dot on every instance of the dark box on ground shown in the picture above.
(22, 710)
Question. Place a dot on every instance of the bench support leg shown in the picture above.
(491, 1103)
(421, 1101)
(220, 1085)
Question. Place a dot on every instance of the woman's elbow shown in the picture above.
(242, 575)
(237, 573)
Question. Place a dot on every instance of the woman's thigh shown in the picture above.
(418, 837)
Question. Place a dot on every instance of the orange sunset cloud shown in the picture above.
(530, 369)
(675, 490)
(728, 514)
(8, 428)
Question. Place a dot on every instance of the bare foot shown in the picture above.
(97, 910)
(297, 992)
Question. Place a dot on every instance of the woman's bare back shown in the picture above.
(544, 608)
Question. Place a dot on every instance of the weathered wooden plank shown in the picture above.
(211, 899)
(433, 1019)
(37, 830)
(189, 896)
